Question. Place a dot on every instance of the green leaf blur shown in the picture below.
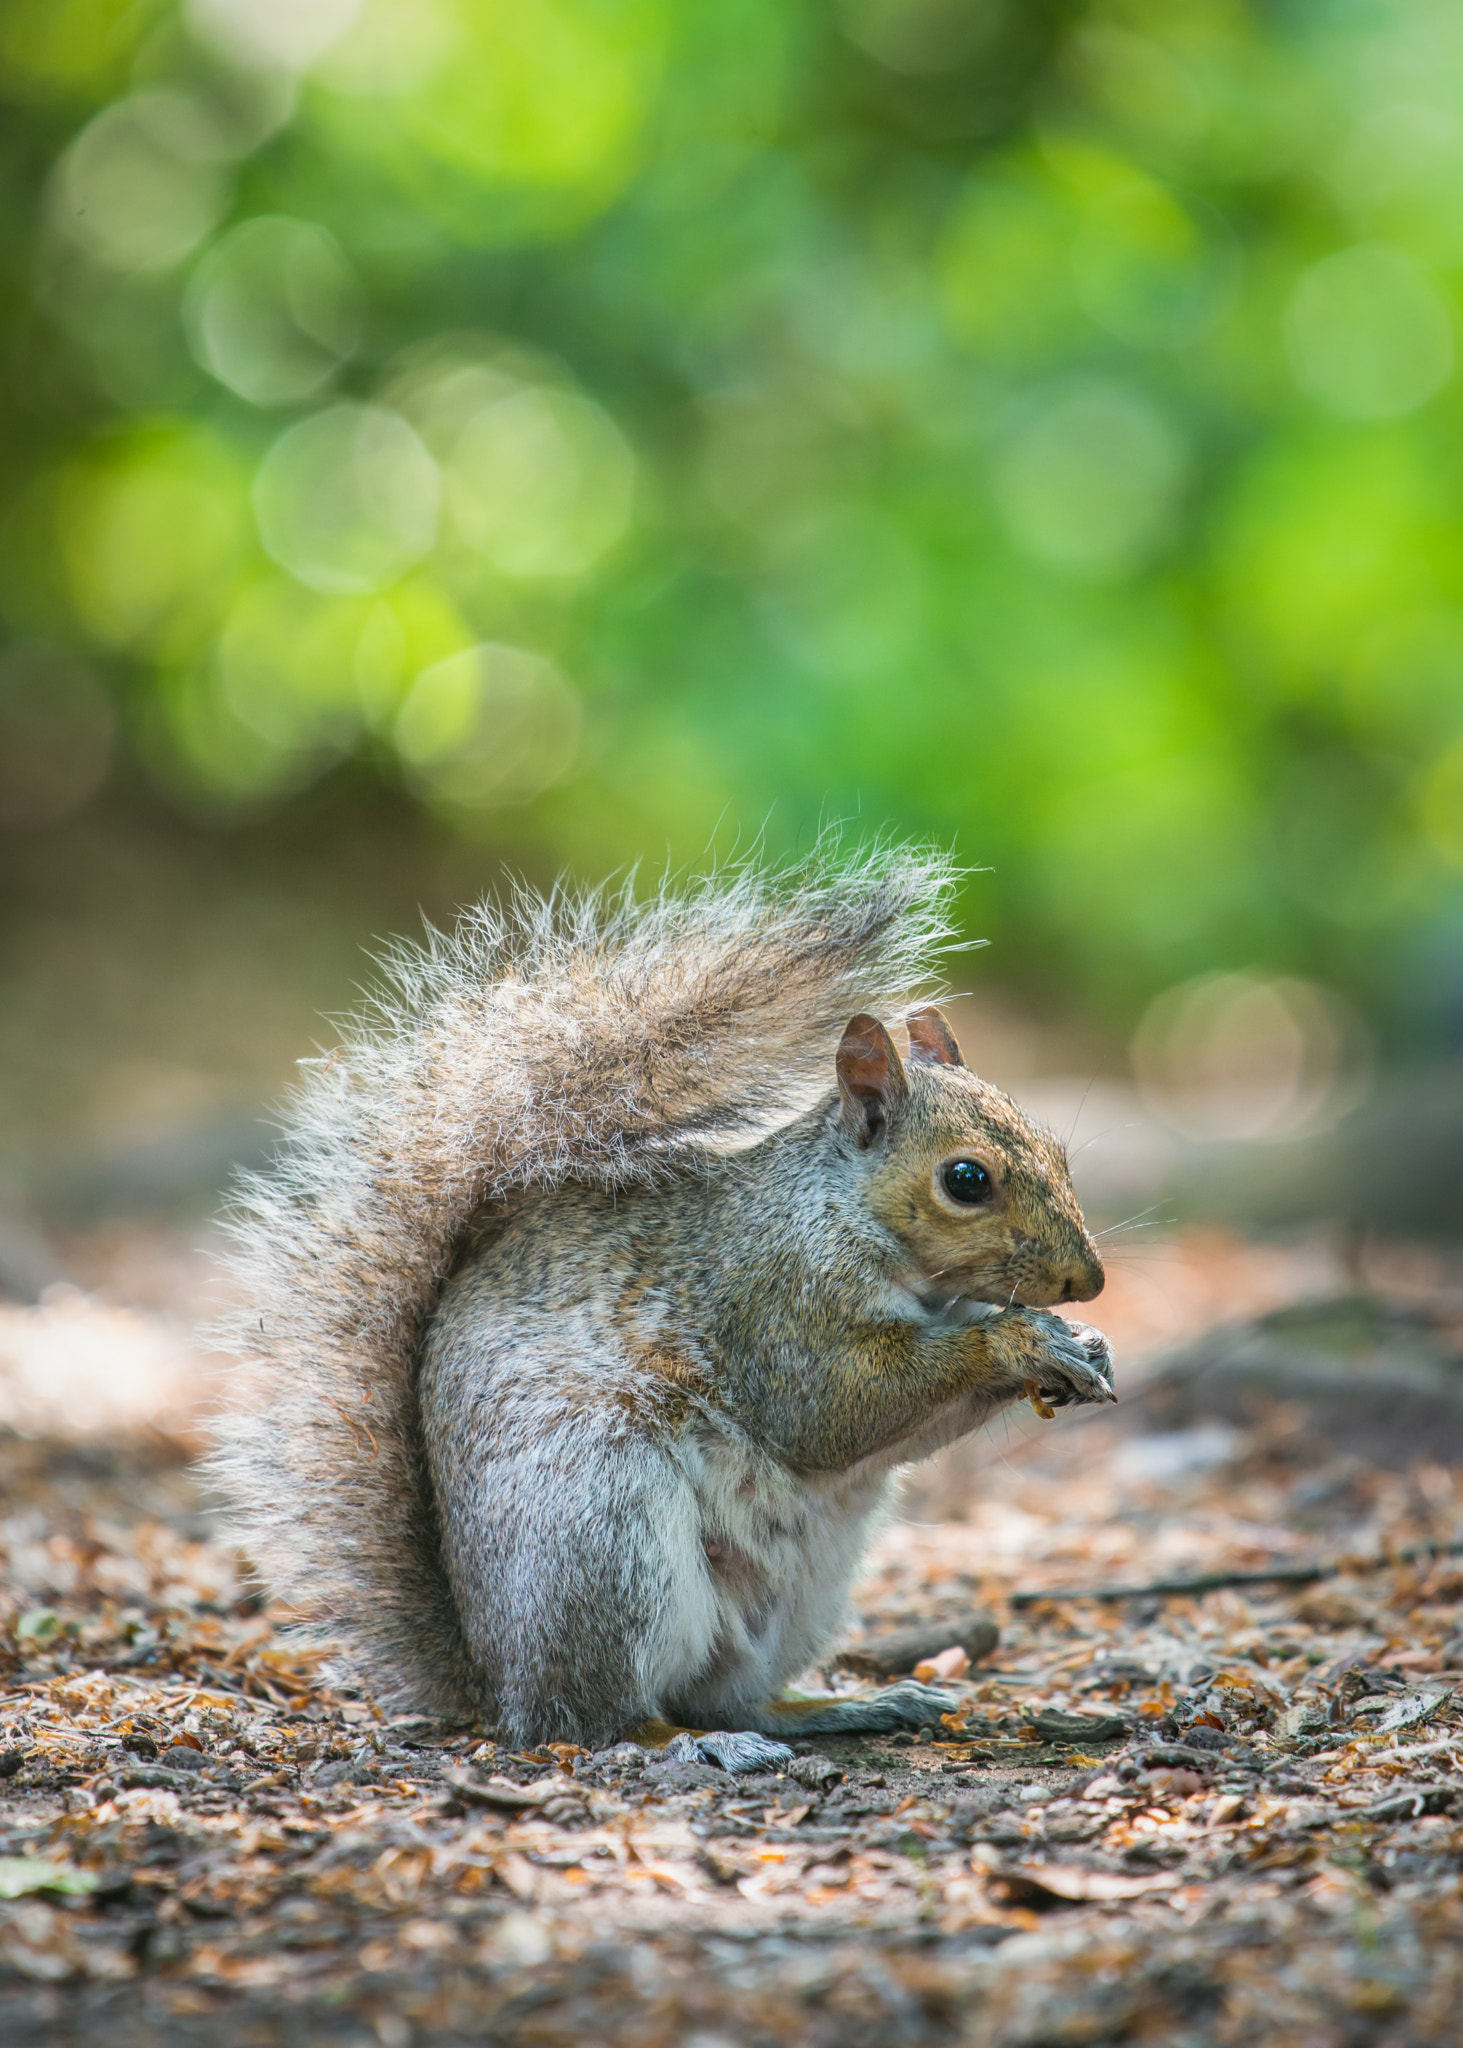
(622, 426)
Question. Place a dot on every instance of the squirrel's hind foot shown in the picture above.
(738, 1751)
(906, 1705)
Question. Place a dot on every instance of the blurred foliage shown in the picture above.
(619, 423)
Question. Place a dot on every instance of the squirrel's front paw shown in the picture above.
(1088, 1375)
(1060, 1362)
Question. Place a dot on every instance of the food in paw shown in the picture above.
(1039, 1401)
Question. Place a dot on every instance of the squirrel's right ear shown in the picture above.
(931, 1041)
(870, 1079)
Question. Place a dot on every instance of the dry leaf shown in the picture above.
(1068, 1884)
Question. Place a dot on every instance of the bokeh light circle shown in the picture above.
(1149, 270)
(491, 725)
(917, 38)
(272, 310)
(143, 183)
(284, 35)
(1369, 334)
(153, 530)
(1088, 477)
(540, 482)
(1232, 1057)
(347, 500)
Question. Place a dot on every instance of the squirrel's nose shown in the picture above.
(1085, 1280)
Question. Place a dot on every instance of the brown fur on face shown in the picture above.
(1028, 1243)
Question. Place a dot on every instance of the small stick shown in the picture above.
(1209, 1582)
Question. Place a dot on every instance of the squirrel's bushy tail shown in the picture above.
(584, 1038)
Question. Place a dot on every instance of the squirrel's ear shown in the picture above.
(870, 1079)
(931, 1041)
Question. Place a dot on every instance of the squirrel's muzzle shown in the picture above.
(1038, 1278)
(1085, 1279)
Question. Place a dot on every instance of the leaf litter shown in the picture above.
(1231, 1815)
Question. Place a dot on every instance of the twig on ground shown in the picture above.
(1209, 1582)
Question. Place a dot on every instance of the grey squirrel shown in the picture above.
(608, 1274)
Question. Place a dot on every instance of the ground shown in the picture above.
(1254, 1835)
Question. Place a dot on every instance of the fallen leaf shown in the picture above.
(502, 1793)
(1407, 1712)
(22, 1874)
(1069, 1884)
(38, 1625)
(1052, 1726)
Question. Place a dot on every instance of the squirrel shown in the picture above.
(606, 1277)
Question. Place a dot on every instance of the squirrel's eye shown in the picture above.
(966, 1180)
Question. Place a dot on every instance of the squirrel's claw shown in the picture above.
(1097, 1360)
(1076, 1365)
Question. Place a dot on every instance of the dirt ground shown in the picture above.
(1229, 1815)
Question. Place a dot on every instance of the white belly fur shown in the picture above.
(756, 1597)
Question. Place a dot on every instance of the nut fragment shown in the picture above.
(951, 1663)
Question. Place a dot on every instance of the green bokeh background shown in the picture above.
(613, 428)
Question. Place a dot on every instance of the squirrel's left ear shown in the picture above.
(931, 1041)
(870, 1079)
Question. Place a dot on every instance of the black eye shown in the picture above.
(966, 1180)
